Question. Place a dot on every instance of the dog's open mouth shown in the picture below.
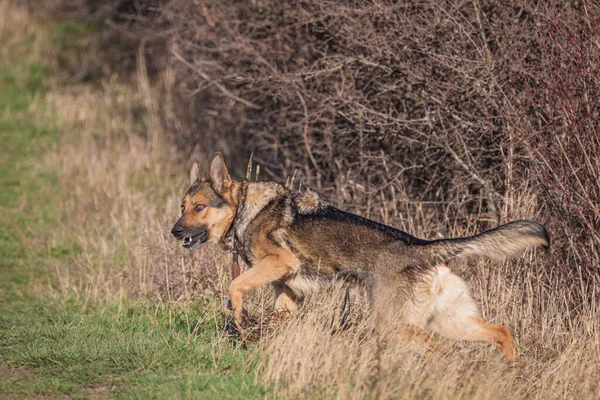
(191, 241)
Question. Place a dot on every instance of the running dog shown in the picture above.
(296, 241)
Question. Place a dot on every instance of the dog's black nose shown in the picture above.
(177, 230)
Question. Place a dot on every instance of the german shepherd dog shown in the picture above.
(296, 241)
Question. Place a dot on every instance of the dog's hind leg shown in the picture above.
(412, 334)
(458, 317)
(285, 299)
(394, 317)
(475, 328)
(408, 335)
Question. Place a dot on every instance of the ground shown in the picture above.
(55, 345)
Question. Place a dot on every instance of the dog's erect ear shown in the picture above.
(194, 173)
(218, 174)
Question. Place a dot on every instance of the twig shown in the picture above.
(306, 144)
(222, 88)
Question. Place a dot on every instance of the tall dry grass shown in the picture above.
(121, 195)
(117, 205)
(122, 176)
(449, 112)
(308, 358)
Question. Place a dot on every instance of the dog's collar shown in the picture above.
(230, 237)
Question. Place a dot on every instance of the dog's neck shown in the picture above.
(239, 191)
(251, 198)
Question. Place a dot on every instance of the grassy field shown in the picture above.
(97, 301)
(54, 343)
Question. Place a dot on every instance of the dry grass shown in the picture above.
(121, 185)
(121, 195)
(116, 202)
(306, 358)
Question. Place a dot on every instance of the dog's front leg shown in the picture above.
(271, 268)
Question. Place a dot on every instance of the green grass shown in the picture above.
(55, 345)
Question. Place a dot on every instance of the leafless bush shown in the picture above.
(555, 116)
(438, 117)
(442, 118)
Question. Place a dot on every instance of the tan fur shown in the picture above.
(506, 241)
(296, 241)
(307, 202)
(285, 299)
(259, 194)
(301, 285)
(218, 219)
(270, 268)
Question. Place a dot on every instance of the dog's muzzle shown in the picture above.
(191, 238)
(190, 241)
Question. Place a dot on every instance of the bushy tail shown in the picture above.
(506, 241)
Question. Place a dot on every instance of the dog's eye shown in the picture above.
(199, 207)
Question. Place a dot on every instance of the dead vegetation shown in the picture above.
(440, 118)
(437, 117)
